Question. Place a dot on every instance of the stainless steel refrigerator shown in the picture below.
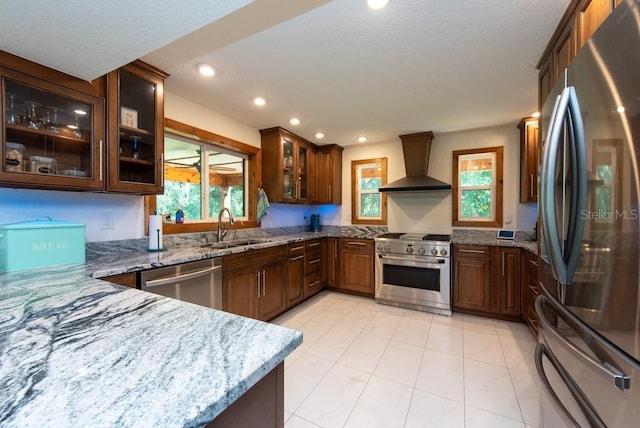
(588, 352)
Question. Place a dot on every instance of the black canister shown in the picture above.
(314, 225)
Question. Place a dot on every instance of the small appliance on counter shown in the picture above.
(314, 224)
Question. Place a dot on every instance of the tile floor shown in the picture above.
(367, 365)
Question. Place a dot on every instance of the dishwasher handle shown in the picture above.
(185, 277)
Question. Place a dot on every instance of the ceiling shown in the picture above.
(340, 67)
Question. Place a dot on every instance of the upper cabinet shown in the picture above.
(328, 175)
(63, 133)
(581, 19)
(136, 129)
(290, 165)
(52, 128)
(528, 159)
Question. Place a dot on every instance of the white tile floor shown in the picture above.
(367, 365)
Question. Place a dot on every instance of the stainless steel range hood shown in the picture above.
(416, 149)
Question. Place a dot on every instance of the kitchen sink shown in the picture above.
(232, 244)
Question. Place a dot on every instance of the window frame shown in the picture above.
(355, 192)
(254, 170)
(497, 193)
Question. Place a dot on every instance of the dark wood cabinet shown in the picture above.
(509, 284)
(254, 283)
(330, 262)
(286, 162)
(53, 128)
(136, 129)
(530, 290)
(357, 266)
(126, 279)
(312, 267)
(471, 279)
(528, 160)
(580, 20)
(295, 273)
(486, 281)
(328, 175)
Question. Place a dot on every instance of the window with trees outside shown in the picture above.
(477, 188)
(368, 205)
(203, 173)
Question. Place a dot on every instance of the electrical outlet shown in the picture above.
(106, 220)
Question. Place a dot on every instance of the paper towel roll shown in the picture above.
(155, 232)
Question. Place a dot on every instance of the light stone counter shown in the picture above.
(76, 351)
(488, 237)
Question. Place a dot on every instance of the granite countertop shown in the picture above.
(77, 351)
(484, 237)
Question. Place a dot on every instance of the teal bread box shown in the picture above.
(39, 243)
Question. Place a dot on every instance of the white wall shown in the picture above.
(431, 212)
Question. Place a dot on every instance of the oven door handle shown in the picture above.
(422, 261)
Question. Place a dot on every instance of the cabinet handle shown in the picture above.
(335, 251)
(311, 262)
(531, 185)
(329, 195)
(461, 250)
(503, 263)
(357, 243)
(162, 169)
(314, 244)
(313, 284)
(264, 288)
(297, 248)
(258, 284)
(101, 160)
(297, 258)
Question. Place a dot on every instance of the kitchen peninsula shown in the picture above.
(77, 351)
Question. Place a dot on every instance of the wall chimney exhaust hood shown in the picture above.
(416, 149)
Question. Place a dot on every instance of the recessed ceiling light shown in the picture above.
(620, 109)
(294, 121)
(377, 4)
(259, 101)
(319, 135)
(362, 139)
(206, 70)
(536, 114)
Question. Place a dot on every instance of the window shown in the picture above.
(230, 179)
(185, 181)
(477, 188)
(368, 205)
(605, 195)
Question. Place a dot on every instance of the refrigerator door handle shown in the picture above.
(618, 378)
(564, 261)
(585, 406)
(550, 232)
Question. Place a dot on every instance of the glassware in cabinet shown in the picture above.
(136, 123)
(52, 135)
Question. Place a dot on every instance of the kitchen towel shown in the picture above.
(263, 204)
(155, 232)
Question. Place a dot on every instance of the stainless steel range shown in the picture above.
(414, 271)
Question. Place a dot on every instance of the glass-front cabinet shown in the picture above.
(136, 129)
(285, 166)
(52, 136)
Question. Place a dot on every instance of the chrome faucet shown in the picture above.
(221, 233)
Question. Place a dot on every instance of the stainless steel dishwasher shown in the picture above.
(196, 282)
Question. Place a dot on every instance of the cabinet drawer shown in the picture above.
(237, 261)
(532, 266)
(295, 248)
(312, 261)
(357, 244)
(465, 250)
(313, 244)
(312, 284)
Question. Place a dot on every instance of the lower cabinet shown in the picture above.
(486, 280)
(471, 277)
(530, 290)
(126, 279)
(295, 274)
(356, 270)
(330, 262)
(253, 283)
(312, 267)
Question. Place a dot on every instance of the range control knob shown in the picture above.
(388, 248)
(409, 250)
(443, 252)
(380, 247)
(434, 252)
(421, 250)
